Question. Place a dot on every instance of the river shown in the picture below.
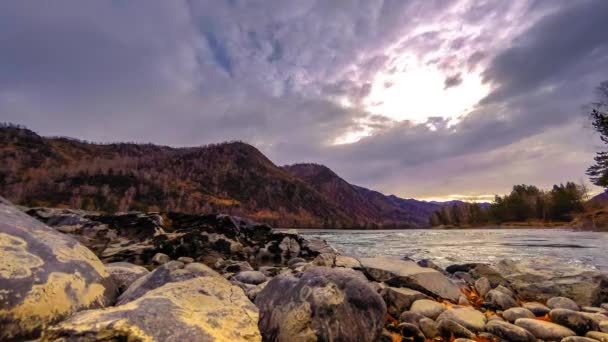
(579, 249)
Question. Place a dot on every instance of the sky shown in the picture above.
(431, 99)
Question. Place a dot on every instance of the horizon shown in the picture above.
(435, 101)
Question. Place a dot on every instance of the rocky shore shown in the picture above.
(69, 275)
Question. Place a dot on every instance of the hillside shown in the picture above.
(233, 178)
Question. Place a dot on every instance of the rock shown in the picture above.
(593, 309)
(482, 285)
(562, 303)
(250, 277)
(505, 290)
(399, 299)
(206, 308)
(160, 259)
(347, 262)
(448, 328)
(237, 266)
(320, 304)
(499, 301)
(509, 332)
(45, 276)
(463, 301)
(402, 273)
(539, 279)
(537, 309)
(430, 264)
(544, 330)
(463, 340)
(466, 316)
(411, 332)
(186, 260)
(294, 261)
(578, 339)
(604, 306)
(315, 247)
(170, 272)
(270, 271)
(599, 336)
(410, 317)
(123, 274)
(478, 270)
(289, 247)
(495, 318)
(253, 292)
(513, 314)
(428, 328)
(428, 308)
(577, 322)
(603, 326)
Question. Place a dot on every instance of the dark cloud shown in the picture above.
(452, 81)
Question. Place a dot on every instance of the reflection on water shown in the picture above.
(445, 247)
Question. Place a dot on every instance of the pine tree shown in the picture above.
(598, 173)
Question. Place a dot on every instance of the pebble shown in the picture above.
(514, 314)
(160, 259)
(562, 303)
(250, 277)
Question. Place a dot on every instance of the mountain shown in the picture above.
(233, 178)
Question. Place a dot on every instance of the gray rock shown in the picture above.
(250, 277)
(562, 303)
(428, 308)
(599, 336)
(577, 322)
(45, 276)
(509, 332)
(124, 274)
(428, 328)
(206, 308)
(544, 330)
(578, 339)
(402, 273)
(499, 301)
(513, 314)
(399, 299)
(448, 328)
(320, 304)
(170, 272)
(482, 285)
(410, 317)
(466, 316)
(411, 332)
(538, 309)
(160, 259)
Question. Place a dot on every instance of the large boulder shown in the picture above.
(124, 274)
(326, 304)
(44, 276)
(406, 273)
(206, 308)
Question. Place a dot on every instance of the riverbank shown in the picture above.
(213, 277)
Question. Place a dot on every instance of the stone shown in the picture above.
(466, 316)
(250, 277)
(173, 271)
(160, 259)
(509, 332)
(206, 308)
(347, 262)
(289, 247)
(538, 309)
(403, 273)
(253, 292)
(463, 301)
(505, 290)
(430, 264)
(598, 336)
(448, 328)
(320, 304)
(428, 328)
(124, 274)
(410, 317)
(482, 285)
(428, 308)
(604, 306)
(399, 299)
(466, 277)
(577, 322)
(45, 276)
(603, 326)
(544, 330)
(270, 271)
(499, 301)
(478, 270)
(513, 314)
(185, 260)
(562, 303)
(411, 332)
(578, 339)
(463, 340)
(294, 261)
(318, 246)
(237, 266)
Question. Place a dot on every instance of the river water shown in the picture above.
(579, 249)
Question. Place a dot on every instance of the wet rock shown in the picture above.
(410, 317)
(562, 303)
(465, 316)
(577, 322)
(578, 339)
(399, 299)
(44, 276)
(599, 336)
(160, 259)
(514, 314)
(199, 309)
(538, 309)
(250, 277)
(482, 285)
(402, 273)
(509, 332)
(124, 274)
(173, 271)
(448, 328)
(320, 304)
(411, 332)
(499, 301)
(428, 328)
(428, 308)
(544, 330)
